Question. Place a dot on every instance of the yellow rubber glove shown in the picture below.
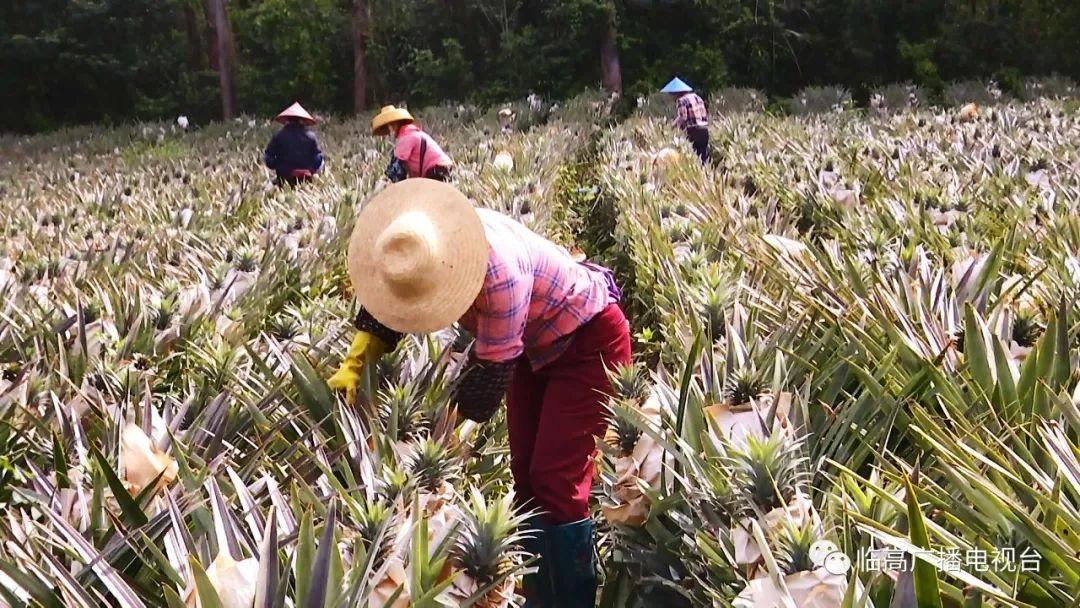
(365, 348)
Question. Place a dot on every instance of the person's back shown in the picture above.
(419, 151)
(293, 148)
(525, 267)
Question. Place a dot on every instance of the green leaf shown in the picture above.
(320, 571)
(38, 590)
(305, 556)
(976, 353)
(132, 513)
(208, 597)
(172, 600)
(315, 395)
(267, 581)
(927, 592)
(60, 466)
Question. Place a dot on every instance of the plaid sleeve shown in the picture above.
(502, 308)
(681, 113)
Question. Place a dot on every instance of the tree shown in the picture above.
(361, 24)
(223, 54)
(610, 68)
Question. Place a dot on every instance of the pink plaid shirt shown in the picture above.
(534, 295)
(690, 112)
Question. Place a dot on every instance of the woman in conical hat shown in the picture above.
(294, 153)
(690, 115)
(547, 328)
(416, 154)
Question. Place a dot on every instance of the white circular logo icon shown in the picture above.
(837, 563)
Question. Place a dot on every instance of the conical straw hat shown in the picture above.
(387, 116)
(295, 111)
(418, 256)
(676, 86)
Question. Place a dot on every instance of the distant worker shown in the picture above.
(416, 154)
(294, 153)
(691, 116)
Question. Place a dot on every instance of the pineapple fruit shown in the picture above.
(639, 457)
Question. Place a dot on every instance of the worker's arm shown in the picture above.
(372, 340)
(501, 310)
(481, 388)
(316, 155)
(396, 171)
(270, 155)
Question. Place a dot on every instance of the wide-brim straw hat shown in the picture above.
(418, 256)
(388, 116)
(295, 111)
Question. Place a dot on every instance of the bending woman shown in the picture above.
(416, 154)
(547, 329)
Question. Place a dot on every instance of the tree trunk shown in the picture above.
(610, 68)
(194, 41)
(223, 54)
(360, 24)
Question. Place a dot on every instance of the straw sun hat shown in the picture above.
(418, 256)
(388, 116)
(295, 111)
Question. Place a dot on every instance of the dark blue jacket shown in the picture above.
(293, 147)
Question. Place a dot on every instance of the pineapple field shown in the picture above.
(856, 378)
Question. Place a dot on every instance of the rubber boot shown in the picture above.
(572, 564)
(539, 592)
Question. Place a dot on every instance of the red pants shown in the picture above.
(554, 415)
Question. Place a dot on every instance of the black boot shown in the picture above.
(572, 564)
(539, 592)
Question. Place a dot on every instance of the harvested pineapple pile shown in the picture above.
(855, 340)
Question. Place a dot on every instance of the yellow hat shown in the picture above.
(388, 116)
(418, 256)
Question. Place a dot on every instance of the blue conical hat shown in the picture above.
(676, 86)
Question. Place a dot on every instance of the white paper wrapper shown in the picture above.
(234, 581)
(142, 460)
(800, 512)
(739, 422)
(817, 589)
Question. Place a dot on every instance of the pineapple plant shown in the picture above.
(487, 549)
(402, 412)
(767, 472)
(743, 386)
(432, 465)
(237, 421)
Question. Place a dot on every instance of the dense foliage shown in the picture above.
(856, 333)
(124, 59)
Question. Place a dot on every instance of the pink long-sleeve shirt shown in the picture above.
(408, 146)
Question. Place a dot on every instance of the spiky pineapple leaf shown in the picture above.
(130, 510)
(208, 596)
(266, 585)
(924, 575)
